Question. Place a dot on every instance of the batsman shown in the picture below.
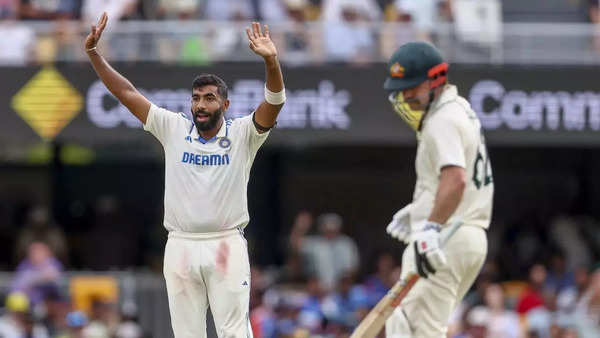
(454, 184)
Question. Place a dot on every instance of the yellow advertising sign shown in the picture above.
(48, 102)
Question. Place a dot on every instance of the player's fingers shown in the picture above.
(94, 30)
(104, 21)
(256, 29)
(259, 28)
(250, 36)
(267, 33)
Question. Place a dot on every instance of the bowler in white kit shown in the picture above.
(207, 166)
(454, 185)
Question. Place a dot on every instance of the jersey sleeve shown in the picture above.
(160, 121)
(253, 138)
(444, 139)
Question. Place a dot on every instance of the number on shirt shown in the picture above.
(482, 173)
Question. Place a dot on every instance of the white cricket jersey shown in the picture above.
(205, 180)
(452, 136)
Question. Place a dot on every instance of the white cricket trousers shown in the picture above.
(208, 269)
(426, 310)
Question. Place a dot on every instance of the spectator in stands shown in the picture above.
(56, 308)
(269, 10)
(333, 10)
(348, 304)
(103, 319)
(120, 46)
(18, 40)
(286, 310)
(301, 44)
(378, 284)
(594, 13)
(502, 323)
(330, 254)
(228, 10)
(311, 316)
(423, 14)
(559, 276)
(587, 312)
(262, 317)
(476, 320)
(76, 322)
(179, 9)
(116, 10)
(64, 44)
(48, 10)
(533, 297)
(18, 321)
(38, 274)
(9, 9)
(568, 298)
(41, 227)
(129, 326)
(344, 21)
(570, 241)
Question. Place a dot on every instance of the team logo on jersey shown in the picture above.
(224, 142)
(396, 70)
(188, 138)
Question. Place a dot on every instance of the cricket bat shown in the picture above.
(372, 324)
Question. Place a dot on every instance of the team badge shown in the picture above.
(396, 70)
(224, 142)
(188, 138)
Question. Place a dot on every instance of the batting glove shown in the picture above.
(428, 255)
(399, 227)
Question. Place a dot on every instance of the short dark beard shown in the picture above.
(212, 122)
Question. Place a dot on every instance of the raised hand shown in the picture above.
(92, 39)
(260, 42)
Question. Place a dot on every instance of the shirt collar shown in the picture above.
(223, 131)
(449, 93)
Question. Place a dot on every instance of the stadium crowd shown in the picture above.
(308, 29)
(327, 285)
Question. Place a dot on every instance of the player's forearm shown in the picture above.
(116, 83)
(274, 77)
(266, 113)
(448, 197)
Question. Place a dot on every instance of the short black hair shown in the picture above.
(211, 79)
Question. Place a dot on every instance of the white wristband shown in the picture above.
(91, 49)
(274, 98)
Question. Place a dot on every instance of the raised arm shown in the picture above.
(261, 43)
(118, 85)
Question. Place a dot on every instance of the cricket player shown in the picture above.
(207, 165)
(454, 184)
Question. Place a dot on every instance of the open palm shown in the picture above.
(96, 32)
(260, 42)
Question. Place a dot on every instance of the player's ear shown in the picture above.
(225, 105)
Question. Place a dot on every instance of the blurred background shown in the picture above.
(81, 185)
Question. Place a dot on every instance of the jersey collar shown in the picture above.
(223, 132)
(449, 93)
